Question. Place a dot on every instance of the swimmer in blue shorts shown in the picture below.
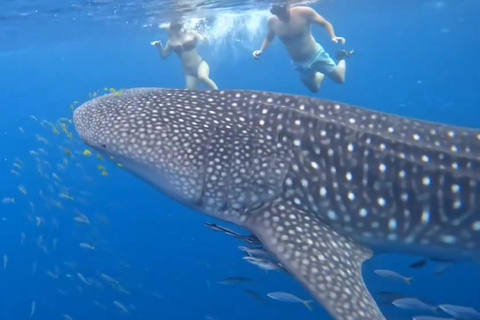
(312, 62)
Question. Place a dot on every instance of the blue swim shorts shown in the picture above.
(321, 62)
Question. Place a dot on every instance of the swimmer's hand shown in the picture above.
(257, 54)
(156, 43)
(339, 39)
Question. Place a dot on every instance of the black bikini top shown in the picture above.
(186, 46)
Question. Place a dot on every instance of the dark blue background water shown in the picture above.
(413, 58)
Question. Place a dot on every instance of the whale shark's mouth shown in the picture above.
(96, 147)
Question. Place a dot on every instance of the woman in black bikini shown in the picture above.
(184, 44)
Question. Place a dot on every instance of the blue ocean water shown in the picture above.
(412, 58)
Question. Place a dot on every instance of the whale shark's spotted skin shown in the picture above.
(320, 183)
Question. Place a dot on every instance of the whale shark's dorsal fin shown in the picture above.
(328, 264)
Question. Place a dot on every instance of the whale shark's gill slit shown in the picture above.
(328, 264)
(200, 200)
(217, 189)
(258, 206)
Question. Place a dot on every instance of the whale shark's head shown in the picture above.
(156, 135)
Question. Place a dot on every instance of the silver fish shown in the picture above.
(264, 264)
(250, 239)
(288, 297)
(8, 200)
(120, 306)
(460, 312)
(413, 304)
(393, 275)
(33, 307)
(235, 280)
(218, 228)
(254, 251)
(321, 184)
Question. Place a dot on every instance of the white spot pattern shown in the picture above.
(327, 263)
(384, 177)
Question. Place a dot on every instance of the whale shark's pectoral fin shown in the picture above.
(328, 264)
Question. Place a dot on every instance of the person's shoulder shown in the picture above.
(272, 20)
(302, 10)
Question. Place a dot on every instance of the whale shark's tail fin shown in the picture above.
(328, 264)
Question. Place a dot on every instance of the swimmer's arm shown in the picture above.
(165, 52)
(269, 38)
(313, 16)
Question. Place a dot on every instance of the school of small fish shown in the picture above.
(45, 186)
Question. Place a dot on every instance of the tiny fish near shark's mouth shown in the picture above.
(260, 160)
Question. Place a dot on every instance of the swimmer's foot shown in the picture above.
(344, 54)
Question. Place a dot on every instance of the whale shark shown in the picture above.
(323, 185)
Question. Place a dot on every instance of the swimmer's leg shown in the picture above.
(313, 80)
(192, 82)
(203, 75)
(338, 73)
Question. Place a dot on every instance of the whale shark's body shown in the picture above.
(320, 183)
